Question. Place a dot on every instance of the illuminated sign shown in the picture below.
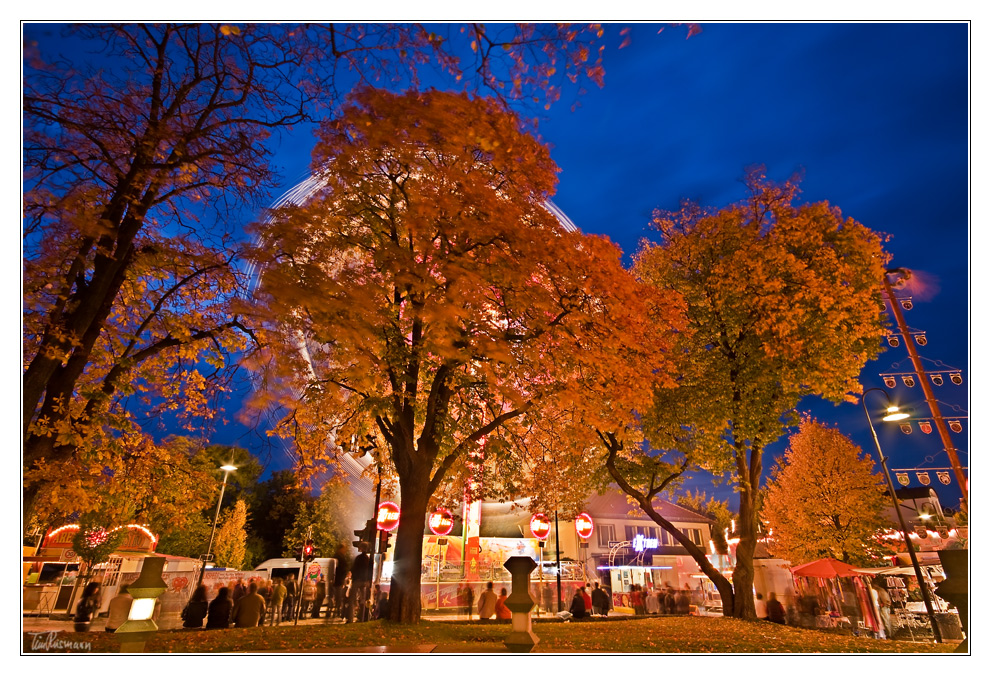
(641, 543)
(583, 524)
(388, 516)
(441, 522)
(540, 526)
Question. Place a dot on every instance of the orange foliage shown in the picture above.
(825, 500)
(783, 302)
(136, 164)
(428, 301)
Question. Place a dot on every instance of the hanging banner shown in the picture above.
(902, 478)
(943, 532)
(956, 426)
(906, 428)
(944, 478)
(923, 478)
(472, 548)
(926, 427)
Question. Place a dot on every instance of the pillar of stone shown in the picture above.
(521, 639)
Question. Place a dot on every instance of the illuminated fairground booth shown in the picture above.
(50, 572)
(610, 542)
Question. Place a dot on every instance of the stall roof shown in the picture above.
(901, 570)
(825, 568)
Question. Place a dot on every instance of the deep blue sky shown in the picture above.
(874, 115)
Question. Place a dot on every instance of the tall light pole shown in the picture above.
(894, 414)
(228, 468)
(557, 554)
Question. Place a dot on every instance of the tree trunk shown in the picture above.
(743, 573)
(404, 592)
(726, 593)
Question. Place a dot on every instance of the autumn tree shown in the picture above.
(330, 520)
(188, 533)
(825, 500)
(162, 485)
(230, 540)
(273, 510)
(783, 302)
(139, 160)
(425, 299)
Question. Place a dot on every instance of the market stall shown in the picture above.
(833, 594)
(909, 619)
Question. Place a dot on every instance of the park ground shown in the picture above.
(648, 635)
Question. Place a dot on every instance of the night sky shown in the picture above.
(875, 116)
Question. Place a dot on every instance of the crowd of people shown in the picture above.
(273, 602)
(660, 600)
(353, 597)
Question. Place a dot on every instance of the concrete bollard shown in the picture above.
(521, 639)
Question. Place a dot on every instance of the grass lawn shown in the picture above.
(654, 635)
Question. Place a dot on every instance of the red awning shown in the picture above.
(825, 568)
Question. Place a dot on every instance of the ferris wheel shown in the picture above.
(299, 195)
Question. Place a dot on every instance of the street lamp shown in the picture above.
(894, 414)
(228, 468)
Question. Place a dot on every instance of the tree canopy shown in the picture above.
(230, 540)
(825, 500)
(425, 299)
(783, 301)
(140, 158)
(331, 520)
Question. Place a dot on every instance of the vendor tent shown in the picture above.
(841, 589)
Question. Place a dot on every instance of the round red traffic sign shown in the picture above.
(540, 526)
(441, 522)
(388, 516)
(583, 524)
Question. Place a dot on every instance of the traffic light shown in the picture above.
(366, 535)
(385, 541)
(309, 551)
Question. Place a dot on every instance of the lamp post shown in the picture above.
(894, 414)
(557, 554)
(228, 468)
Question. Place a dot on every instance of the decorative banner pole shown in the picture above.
(944, 435)
(521, 639)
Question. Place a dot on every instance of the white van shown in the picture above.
(283, 568)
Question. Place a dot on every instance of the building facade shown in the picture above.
(624, 548)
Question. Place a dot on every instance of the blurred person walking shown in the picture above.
(195, 610)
